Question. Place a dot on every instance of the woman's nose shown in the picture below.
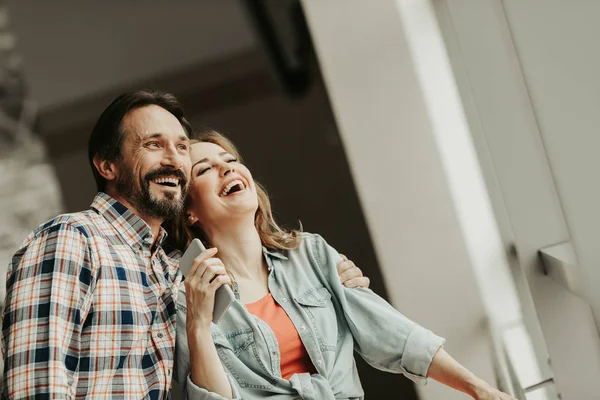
(226, 169)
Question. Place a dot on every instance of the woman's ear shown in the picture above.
(105, 168)
(190, 218)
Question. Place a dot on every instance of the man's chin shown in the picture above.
(167, 193)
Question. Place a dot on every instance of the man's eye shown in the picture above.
(183, 147)
(152, 144)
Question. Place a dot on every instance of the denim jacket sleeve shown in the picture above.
(182, 361)
(384, 337)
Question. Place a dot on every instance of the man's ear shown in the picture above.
(105, 168)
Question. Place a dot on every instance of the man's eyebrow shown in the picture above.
(155, 135)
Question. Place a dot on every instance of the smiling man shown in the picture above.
(90, 304)
(91, 296)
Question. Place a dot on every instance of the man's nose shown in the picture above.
(173, 158)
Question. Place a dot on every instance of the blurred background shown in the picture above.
(447, 147)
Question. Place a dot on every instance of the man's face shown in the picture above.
(155, 163)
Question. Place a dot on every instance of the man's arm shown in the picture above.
(42, 318)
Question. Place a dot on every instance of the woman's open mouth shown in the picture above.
(232, 187)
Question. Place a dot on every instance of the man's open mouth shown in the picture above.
(167, 181)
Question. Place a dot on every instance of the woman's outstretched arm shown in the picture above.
(448, 371)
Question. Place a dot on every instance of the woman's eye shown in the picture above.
(232, 160)
(202, 170)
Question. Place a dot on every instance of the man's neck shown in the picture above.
(153, 223)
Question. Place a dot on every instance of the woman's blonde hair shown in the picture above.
(271, 234)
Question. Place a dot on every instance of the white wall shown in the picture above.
(557, 43)
(72, 49)
(383, 117)
(526, 70)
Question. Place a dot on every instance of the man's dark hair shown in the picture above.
(107, 136)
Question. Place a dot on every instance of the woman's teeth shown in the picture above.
(227, 189)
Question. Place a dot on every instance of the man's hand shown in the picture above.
(350, 275)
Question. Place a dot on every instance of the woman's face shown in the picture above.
(221, 188)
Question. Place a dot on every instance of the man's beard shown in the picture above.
(139, 195)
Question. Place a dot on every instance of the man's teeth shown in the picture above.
(229, 186)
(160, 181)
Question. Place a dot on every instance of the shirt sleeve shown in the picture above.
(46, 282)
(385, 338)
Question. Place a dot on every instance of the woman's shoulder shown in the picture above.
(311, 239)
(316, 248)
(309, 244)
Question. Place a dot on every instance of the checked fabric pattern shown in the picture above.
(90, 309)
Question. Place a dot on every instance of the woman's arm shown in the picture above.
(205, 277)
(449, 372)
(204, 358)
(389, 341)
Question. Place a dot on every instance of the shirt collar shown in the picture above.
(274, 253)
(134, 230)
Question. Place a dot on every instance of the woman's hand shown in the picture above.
(489, 393)
(206, 275)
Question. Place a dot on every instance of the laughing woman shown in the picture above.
(293, 329)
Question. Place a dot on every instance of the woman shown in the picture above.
(294, 328)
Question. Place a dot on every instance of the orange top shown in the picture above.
(294, 358)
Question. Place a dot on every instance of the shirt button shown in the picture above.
(160, 335)
(303, 327)
(274, 353)
(284, 299)
(320, 362)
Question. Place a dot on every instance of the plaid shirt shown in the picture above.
(90, 309)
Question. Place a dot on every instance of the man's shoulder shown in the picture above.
(85, 222)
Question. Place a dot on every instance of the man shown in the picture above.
(90, 303)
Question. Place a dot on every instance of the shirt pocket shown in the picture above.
(320, 313)
(239, 355)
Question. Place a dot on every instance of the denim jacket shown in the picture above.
(333, 322)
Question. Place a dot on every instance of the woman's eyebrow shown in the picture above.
(200, 162)
(205, 159)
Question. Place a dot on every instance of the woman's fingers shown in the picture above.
(347, 265)
(219, 281)
(212, 270)
(197, 263)
(206, 276)
(361, 281)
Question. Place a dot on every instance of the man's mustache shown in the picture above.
(167, 172)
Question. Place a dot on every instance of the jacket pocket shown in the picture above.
(317, 305)
(239, 355)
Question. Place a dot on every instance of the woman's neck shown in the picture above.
(240, 248)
